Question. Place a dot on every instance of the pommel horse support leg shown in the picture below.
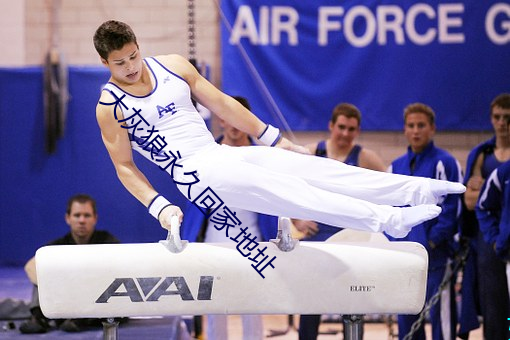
(353, 277)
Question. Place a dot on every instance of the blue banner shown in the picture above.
(295, 60)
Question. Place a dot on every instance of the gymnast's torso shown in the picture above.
(163, 125)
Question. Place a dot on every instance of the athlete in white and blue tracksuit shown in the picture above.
(469, 230)
(493, 213)
(484, 279)
(435, 235)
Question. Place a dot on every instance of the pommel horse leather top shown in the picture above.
(336, 276)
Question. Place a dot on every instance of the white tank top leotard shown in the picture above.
(163, 122)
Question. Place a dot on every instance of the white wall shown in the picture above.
(12, 33)
(160, 25)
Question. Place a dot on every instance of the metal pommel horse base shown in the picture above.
(352, 273)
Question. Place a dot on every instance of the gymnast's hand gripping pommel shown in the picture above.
(173, 241)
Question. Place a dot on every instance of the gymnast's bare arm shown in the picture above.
(116, 140)
(224, 106)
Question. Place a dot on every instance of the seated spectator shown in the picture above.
(81, 217)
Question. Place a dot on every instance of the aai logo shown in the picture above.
(152, 288)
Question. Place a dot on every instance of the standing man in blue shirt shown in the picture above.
(484, 279)
(493, 213)
(424, 159)
(344, 127)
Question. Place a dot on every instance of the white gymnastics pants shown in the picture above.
(278, 182)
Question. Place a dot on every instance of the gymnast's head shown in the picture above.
(116, 44)
(112, 36)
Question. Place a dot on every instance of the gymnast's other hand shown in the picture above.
(286, 144)
(166, 215)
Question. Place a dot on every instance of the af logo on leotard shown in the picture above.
(168, 109)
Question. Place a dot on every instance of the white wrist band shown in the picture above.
(270, 136)
(157, 205)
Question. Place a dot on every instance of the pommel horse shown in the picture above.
(352, 276)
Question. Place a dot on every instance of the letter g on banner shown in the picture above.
(498, 35)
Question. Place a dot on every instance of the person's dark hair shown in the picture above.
(81, 198)
(503, 101)
(420, 108)
(347, 110)
(112, 35)
(244, 102)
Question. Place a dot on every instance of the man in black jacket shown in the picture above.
(81, 216)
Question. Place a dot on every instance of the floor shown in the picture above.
(276, 327)
(15, 285)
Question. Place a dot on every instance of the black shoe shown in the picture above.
(70, 326)
(34, 326)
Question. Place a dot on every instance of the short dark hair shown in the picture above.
(348, 110)
(244, 102)
(81, 198)
(420, 108)
(503, 101)
(112, 35)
